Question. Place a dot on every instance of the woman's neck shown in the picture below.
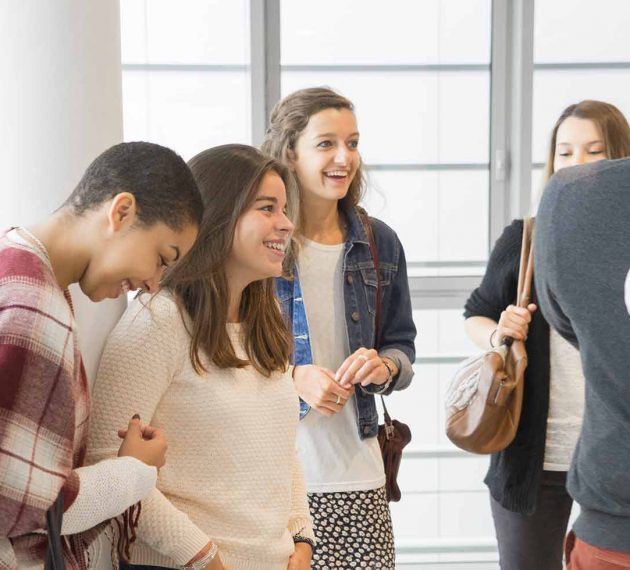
(66, 241)
(322, 222)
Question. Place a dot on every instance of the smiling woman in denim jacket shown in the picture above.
(330, 301)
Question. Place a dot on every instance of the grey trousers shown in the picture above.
(535, 542)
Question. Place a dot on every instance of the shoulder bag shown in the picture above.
(483, 402)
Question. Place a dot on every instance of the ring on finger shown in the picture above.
(338, 399)
(363, 357)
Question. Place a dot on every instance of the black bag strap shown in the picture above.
(54, 519)
(377, 310)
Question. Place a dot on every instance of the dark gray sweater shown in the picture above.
(582, 258)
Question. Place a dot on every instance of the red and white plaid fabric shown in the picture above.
(44, 403)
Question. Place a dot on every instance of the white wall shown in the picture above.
(60, 106)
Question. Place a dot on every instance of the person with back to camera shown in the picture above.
(527, 481)
(207, 359)
(134, 212)
(330, 302)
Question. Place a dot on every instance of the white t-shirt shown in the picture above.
(566, 403)
(333, 456)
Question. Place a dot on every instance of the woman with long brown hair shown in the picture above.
(344, 355)
(527, 480)
(206, 360)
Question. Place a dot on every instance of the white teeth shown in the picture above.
(276, 245)
(337, 173)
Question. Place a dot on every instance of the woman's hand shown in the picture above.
(366, 367)
(301, 557)
(318, 388)
(146, 443)
(514, 323)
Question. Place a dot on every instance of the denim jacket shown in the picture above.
(398, 331)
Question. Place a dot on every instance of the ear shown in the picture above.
(122, 211)
(291, 159)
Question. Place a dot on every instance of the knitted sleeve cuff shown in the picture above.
(303, 527)
(124, 481)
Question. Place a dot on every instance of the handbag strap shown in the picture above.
(526, 269)
(54, 554)
(377, 310)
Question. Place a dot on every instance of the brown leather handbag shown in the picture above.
(393, 435)
(484, 399)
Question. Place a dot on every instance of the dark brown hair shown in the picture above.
(612, 125)
(229, 177)
(289, 118)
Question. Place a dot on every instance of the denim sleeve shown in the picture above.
(398, 331)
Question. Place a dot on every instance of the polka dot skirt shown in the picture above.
(353, 530)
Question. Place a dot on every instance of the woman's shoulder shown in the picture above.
(511, 237)
(383, 233)
(380, 227)
(159, 310)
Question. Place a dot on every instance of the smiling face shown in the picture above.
(578, 141)
(326, 157)
(130, 256)
(261, 235)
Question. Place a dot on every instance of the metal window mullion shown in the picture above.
(511, 111)
(264, 63)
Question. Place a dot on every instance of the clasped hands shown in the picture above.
(327, 391)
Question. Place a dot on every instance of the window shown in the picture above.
(186, 77)
(580, 52)
(426, 146)
(443, 98)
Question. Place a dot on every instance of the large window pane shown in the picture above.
(186, 78)
(192, 32)
(187, 111)
(581, 31)
(412, 117)
(338, 32)
(440, 216)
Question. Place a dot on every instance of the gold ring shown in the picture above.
(363, 357)
(338, 399)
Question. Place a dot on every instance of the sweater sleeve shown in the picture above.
(300, 521)
(123, 480)
(143, 354)
(499, 284)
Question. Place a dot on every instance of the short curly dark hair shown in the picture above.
(161, 182)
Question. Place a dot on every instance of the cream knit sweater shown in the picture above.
(232, 474)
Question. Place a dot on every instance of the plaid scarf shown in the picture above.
(44, 407)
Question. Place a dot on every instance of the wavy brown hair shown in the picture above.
(228, 177)
(289, 118)
(612, 125)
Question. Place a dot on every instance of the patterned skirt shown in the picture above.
(353, 530)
